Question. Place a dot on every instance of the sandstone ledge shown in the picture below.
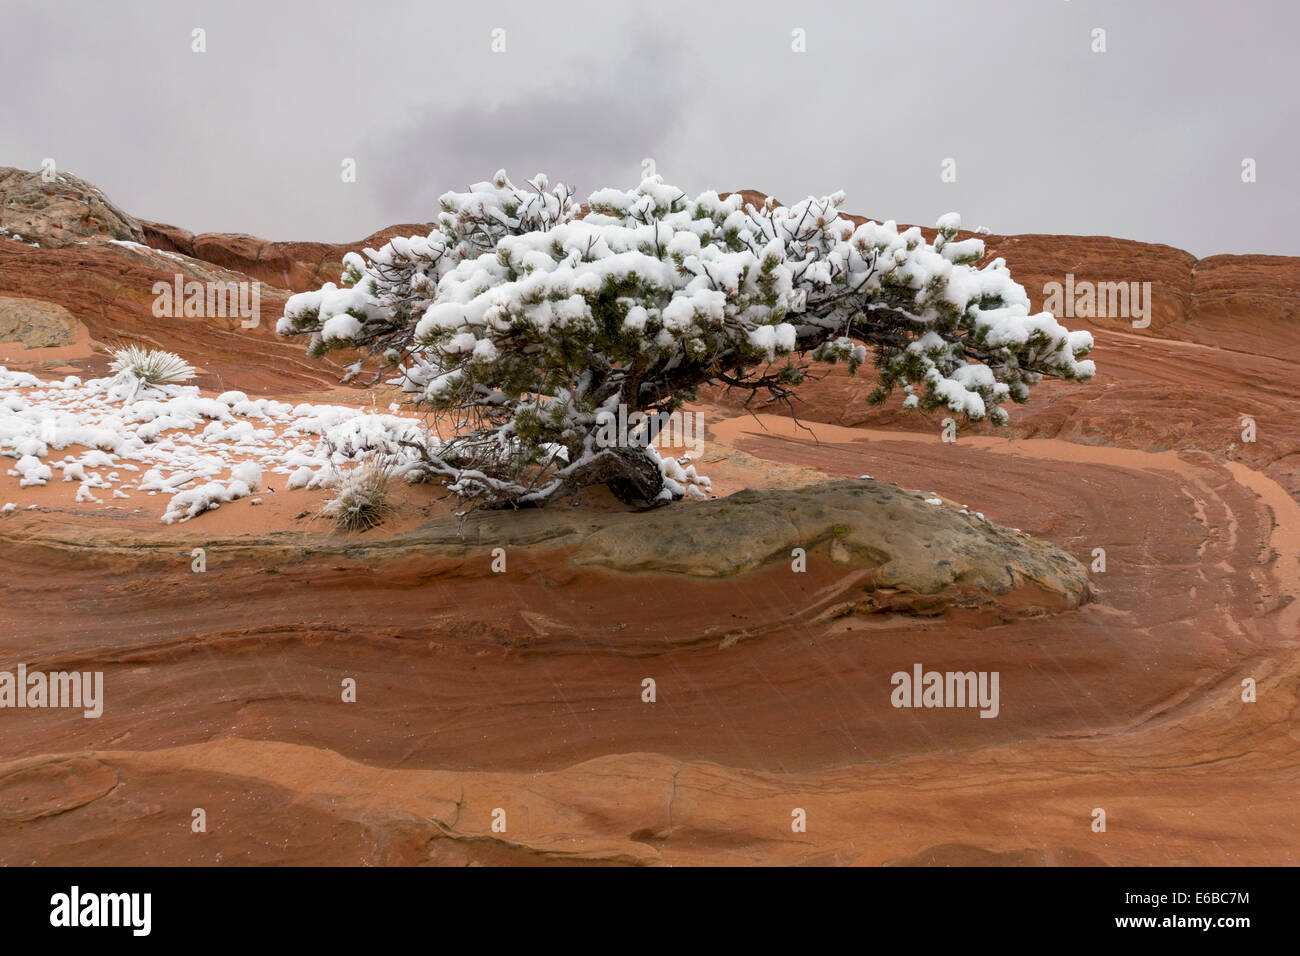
(897, 551)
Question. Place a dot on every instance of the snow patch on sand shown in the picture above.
(202, 451)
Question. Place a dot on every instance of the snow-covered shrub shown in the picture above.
(146, 372)
(523, 320)
(360, 499)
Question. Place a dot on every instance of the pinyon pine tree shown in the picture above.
(524, 320)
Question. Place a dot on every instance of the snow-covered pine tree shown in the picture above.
(524, 320)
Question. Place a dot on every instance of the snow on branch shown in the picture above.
(525, 317)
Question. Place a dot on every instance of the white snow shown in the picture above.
(250, 473)
(200, 451)
(32, 471)
(722, 274)
(140, 247)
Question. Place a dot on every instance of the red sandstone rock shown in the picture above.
(523, 691)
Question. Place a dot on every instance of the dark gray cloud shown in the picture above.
(595, 128)
(1144, 141)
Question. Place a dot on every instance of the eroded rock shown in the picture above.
(36, 324)
(919, 556)
(893, 550)
(61, 212)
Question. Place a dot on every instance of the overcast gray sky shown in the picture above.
(1143, 141)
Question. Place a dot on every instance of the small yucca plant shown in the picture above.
(360, 499)
(139, 369)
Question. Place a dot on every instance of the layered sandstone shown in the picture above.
(522, 689)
